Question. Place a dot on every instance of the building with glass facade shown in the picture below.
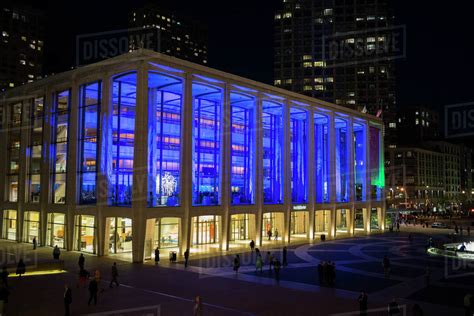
(147, 150)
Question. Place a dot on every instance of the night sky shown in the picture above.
(438, 68)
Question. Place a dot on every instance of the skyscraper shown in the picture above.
(341, 51)
(178, 36)
(21, 45)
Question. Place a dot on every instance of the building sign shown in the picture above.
(459, 120)
(299, 207)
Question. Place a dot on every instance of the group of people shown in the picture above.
(460, 230)
(327, 273)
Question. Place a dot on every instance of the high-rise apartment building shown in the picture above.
(177, 36)
(21, 45)
(340, 51)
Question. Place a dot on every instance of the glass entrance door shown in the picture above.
(239, 227)
(205, 230)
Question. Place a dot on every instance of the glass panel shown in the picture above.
(377, 177)
(123, 138)
(168, 232)
(35, 188)
(85, 233)
(35, 152)
(164, 150)
(239, 227)
(9, 224)
(272, 120)
(31, 226)
(321, 158)
(91, 95)
(242, 148)
(342, 218)
(207, 127)
(299, 155)
(120, 235)
(59, 188)
(12, 188)
(360, 163)
(322, 221)
(342, 161)
(206, 229)
(56, 230)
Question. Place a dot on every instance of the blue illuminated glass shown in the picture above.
(242, 148)
(207, 125)
(360, 162)
(377, 172)
(124, 95)
(299, 155)
(321, 158)
(272, 121)
(342, 160)
(91, 96)
(59, 144)
(164, 150)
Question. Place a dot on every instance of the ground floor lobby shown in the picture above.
(202, 234)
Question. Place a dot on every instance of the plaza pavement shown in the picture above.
(170, 288)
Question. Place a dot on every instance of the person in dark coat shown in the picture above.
(67, 300)
(157, 255)
(20, 268)
(56, 252)
(81, 262)
(276, 268)
(4, 276)
(363, 298)
(186, 258)
(252, 245)
(93, 289)
(284, 260)
(321, 272)
(4, 293)
(114, 275)
(34, 243)
(236, 263)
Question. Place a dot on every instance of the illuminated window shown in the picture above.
(319, 64)
(307, 57)
(319, 87)
(327, 11)
(277, 82)
(392, 125)
(307, 64)
(287, 15)
(277, 16)
(321, 158)
(318, 80)
(298, 154)
(350, 40)
(307, 88)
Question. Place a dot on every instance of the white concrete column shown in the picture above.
(259, 172)
(332, 221)
(186, 162)
(287, 171)
(368, 189)
(226, 168)
(140, 155)
(70, 235)
(332, 158)
(310, 176)
(45, 180)
(72, 148)
(3, 159)
(24, 136)
(350, 136)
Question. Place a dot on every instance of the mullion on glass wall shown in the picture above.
(321, 158)
(123, 129)
(206, 144)
(342, 160)
(165, 99)
(272, 121)
(35, 150)
(242, 148)
(298, 154)
(13, 150)
(360, 161)
(90, 104)
(60, 118)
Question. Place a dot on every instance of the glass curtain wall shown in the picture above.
(13, 151)
(124, 97)
(377, 177)
(321, 158)
(206, 229)
(164, 150)
(207, 131)
(242, 148)
(9, 224)
(299, 155)
(85, 233)
(59, 144)
(31, 227)
(90, 102)
(272, 121)
(342, 160)
(167, 232)
(120, 234)
(56, 230)
(35, 151)
(360, 161)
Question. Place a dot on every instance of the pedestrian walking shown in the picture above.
(284, 257)
(93, 289)
(257, 252)
(252, 245)
(398, 226)
(114, 275)
(269, 260)
(277, 267)
(35, 243)
(83, 276)
(386, 266)
(326, 273)
(197, 306)
(4, 293)
(363, 300)
(81, 262)
(393, 308)
(56, 252)
(157, 255)
(320, 273)
(332, 273)
(4, 276)
(67, 300)
(186, 257)
(269, 234)
(276, 234)
(456, 229)
(236, 263)
(20, 268)
(259, 264)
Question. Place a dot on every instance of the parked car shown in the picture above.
(439, 225)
